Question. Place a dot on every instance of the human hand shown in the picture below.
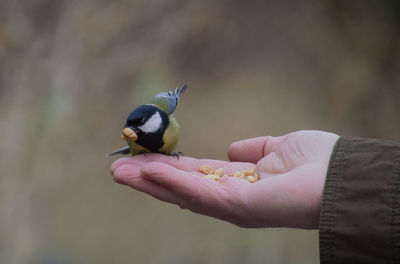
(292, 170)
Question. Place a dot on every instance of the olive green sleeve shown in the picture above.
(360, 210)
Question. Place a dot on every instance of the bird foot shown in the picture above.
(176, 154)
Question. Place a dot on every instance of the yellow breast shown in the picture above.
(170, 136)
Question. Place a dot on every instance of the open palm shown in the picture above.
(292, 171)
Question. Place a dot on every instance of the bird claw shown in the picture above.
(176, 154)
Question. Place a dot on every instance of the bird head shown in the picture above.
(147, 120)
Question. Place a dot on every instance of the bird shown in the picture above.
(152, 127)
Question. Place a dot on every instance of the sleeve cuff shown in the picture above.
(360, 209)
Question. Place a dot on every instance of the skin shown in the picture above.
(292, 171)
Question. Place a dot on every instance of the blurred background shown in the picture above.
(71, 71)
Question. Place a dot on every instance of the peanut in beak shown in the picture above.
(128, 133)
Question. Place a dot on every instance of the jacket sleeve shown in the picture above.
(360, 209)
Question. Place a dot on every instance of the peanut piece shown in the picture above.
(237, 174)
(128, 133)
(250, 174)
(206, 169)
(214, 177)
(251, 179)
(219, 171)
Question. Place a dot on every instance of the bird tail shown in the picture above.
(180, 90)
(124, 150)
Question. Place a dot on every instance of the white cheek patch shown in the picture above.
(153, 124)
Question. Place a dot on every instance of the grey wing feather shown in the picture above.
(124, 150)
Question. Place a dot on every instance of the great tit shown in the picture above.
(156, 129)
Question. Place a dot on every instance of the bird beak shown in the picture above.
(129, 133)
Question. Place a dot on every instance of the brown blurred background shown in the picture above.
(71, 71)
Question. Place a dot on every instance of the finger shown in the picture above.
(254, 149)
(248, 150)
(131, 175)
(225, 200)
(118, 163)
(183, 163)
(194, 192)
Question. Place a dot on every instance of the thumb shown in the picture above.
(253, 149)
(248, 150)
